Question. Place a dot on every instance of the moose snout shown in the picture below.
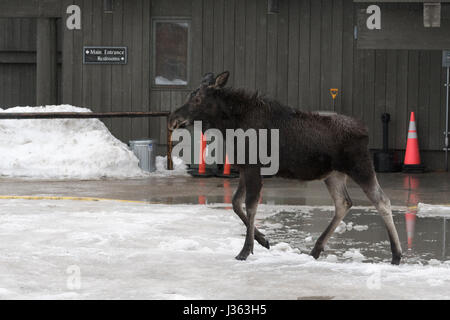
(176, 122)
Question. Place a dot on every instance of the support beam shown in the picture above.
(46, 62)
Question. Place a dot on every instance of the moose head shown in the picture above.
(202, 104)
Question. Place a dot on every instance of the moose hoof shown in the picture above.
(315, 253)
(396, 260)
(265, 243)
(243, 255)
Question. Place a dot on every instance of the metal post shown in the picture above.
(169, 147)
(444, 231)
(446, 120)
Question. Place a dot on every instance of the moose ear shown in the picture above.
(208, 79)
(221, 79)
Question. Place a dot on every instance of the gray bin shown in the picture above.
(145, 151)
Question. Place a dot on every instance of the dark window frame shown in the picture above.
(154, 21)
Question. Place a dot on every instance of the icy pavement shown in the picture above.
(109, 250)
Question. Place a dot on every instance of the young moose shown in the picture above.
(311, 146)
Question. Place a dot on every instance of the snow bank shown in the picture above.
(429, 210)
(63, 148)
(179, 168)
(148, 251)
(159, 80)
(67, 149)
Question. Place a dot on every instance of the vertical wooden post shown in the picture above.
(169, 146)
(46, 62)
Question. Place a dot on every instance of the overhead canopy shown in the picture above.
(404, 1)
(402, 27)
(30, 8)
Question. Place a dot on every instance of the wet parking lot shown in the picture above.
(132, 248)
(362, 236)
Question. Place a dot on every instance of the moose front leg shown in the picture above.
(238, 199)
(253, 185)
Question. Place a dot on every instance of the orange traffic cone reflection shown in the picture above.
(410, 219)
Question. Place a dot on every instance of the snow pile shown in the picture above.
(147, 251)
(160, 80)
(63, 148)
(179, 168)
(69, 149)
(429, 210)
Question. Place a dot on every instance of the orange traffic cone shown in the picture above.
(412, 156)
(227, 170)
(226, 167)
(202, 171)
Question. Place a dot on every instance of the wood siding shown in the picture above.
(18, 62)
(295, 56)
(402, 27)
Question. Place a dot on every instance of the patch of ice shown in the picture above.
(331, 258)
(341, 228)
(273, 225)
(354, 254)
(428, 210)
(360, 227)
(283, 247)
(434, 262)
(180, 244)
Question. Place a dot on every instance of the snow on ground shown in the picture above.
(66, 149)
(179, 168)
(107, 249)
(159, 80)
(429, 210)
(342, 227)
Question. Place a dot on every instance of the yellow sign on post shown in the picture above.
(334, 92)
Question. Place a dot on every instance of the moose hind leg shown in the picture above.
(336, 184)
(383, 205)
(253, 185)
(238, 199)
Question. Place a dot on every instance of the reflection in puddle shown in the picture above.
(363, 236)
(410, 220)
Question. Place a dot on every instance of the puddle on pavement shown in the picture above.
(422, 238)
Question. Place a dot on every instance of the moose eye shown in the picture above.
(197, 100)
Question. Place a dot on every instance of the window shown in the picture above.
(171, 48)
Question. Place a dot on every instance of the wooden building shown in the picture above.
(295, 55)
